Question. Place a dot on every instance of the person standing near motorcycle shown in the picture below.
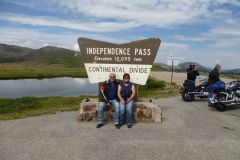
(192, 73)
(214, 81)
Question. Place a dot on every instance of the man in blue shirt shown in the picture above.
(109, 96)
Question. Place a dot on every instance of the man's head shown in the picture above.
(192, 66)
(112, 77)
(218, 67)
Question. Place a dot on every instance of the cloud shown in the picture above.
(69, 24)
(225, 31)
(35, 39)
(193, 38)
(221, 37)
(164, 13)
(171, 49)
(108, 16)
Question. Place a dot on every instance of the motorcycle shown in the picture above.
(224, 99)
(189, 91)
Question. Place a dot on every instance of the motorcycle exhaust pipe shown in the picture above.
(229, 101)
(201, 93)
(231, 104)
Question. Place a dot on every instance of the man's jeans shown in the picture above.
(219, 85)
(102, 107)
(129, 112)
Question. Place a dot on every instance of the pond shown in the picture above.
(64, 86)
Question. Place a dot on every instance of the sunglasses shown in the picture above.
(125, 77)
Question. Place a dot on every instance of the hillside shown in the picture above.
(46, 55)
(11, 53)
(22, 62)
(182, 67)
(232, 71)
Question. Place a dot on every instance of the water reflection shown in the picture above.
(63, 86)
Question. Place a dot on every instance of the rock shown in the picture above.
(143, 111)
(87, 116)
(147, 113)
(80, 117)
(138, 114)
(93, 113)
(88, 106)
(140, 105)
(157, 114)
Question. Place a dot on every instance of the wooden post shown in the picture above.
(99, 92)
(172, 72)
(136, 91)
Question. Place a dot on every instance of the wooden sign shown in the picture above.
(102, 58)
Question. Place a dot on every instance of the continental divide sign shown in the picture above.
(101, 58)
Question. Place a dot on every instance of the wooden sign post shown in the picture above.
(102, 58)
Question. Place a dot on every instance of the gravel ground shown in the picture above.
(190, 131)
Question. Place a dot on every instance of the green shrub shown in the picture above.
(155, 84)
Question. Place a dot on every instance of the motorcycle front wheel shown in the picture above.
(187, 97)
(221, 107)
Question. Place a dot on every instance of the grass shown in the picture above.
(32, 106)
(158, 89)
(39, 70)
(231, 76)
(224, 75)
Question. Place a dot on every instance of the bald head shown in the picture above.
(112, 77)
(218, 66)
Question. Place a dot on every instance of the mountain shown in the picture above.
(12, 53)
(160, 67)
(182, 67)
(56, 55)
(232, 71)
(47, 55)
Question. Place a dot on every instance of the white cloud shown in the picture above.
(193, 38)
(36, 39)
(171, 49)
(225, 31)
(225, 43)
(221, 37)
(69, 24)
(108, 15)
(76, 47)
(145, 12)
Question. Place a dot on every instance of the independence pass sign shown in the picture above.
(136, 58)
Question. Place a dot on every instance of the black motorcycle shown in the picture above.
(189, 91)
(224, 99)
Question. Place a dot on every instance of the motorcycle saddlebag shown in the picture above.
(189, 85)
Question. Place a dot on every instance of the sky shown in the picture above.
(202, 31)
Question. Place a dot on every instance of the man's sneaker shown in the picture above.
(212, 98)
(99, 125)
(117, 126)
(129, 126)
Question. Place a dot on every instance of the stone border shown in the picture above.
(143, 112)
